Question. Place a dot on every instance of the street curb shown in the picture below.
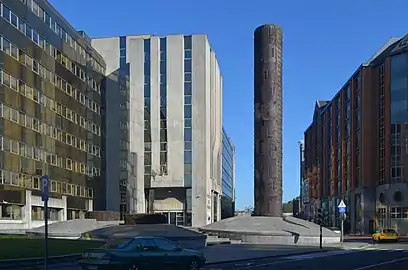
(271, 257)
(33, 262)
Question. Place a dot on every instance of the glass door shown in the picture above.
(179, 219)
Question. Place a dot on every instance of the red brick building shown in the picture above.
(356, 147)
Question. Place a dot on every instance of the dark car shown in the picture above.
(142, 253)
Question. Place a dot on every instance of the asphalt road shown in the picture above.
(333, 260)
(218, 254)
(353, 257)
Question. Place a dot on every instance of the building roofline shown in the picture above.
(72, 28)
(378, 53)
(149, 35)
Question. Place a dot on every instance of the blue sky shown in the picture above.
(324, 42)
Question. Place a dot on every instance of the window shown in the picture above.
(187, 134)
(148, 245)
(6, 46)
(165, 245)
(187, 89)
(187, 77)
(69, 164)
(188, 179)
(6, 13)
(187, 54)
(14, 20)
(187, 66)
(36, 183)
(163, 146)
(187, 157)
(187, 145)
(9, 211)
(187, 100)
(187, 111)
(188, 43)
(187, 123)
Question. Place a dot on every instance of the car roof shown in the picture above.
(147, 237)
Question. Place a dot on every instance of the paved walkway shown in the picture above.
(221, 253)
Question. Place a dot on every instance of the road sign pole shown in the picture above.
(45, 200)
(321, 236)
(342, 211)
(46, 234)
(342, 229)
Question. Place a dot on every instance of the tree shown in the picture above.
(287, 207)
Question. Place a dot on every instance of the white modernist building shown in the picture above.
(175, 112)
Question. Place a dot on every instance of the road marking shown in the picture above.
(385, 249)
(319, 254)
(380, 264)
(302, 258)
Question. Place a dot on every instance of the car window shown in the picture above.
(148, 245)
(378, 231)
(137, 245)
(117, 244)
(165, 245)
(389, 231)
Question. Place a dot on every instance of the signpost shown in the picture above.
(44, 195)
(342, 210)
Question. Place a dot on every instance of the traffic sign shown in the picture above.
(44, 188)
(342, 207)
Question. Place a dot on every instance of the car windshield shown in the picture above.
(117, 245)
(389, 231)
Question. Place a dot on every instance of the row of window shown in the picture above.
(188, 156)
(163, 101)
(34, 182)
(35, 125)
(25, 59)
(32, 152)
(38, 97)
(395, 212)
(48, 20)
(23, 27)
(147, 136)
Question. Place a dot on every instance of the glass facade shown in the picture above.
(147, 106)
(163, 105)
(399, 112)
(50, 113)
(188, 136)
(228, 163)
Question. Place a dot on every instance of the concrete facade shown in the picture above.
(158, 122)
(116, 179)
